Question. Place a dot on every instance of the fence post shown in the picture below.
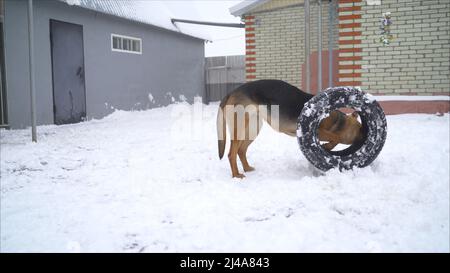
(31, 69)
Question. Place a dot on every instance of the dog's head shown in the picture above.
(345, 128)
(352, 130)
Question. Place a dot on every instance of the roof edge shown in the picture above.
(245, 6)
(77, 4)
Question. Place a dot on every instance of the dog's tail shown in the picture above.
(222, 127)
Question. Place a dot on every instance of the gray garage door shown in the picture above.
(69, 95)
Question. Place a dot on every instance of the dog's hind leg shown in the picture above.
(252, 128)
(242, 152)
(237, 132)
(232, 157)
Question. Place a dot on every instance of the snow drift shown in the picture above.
(125, 184)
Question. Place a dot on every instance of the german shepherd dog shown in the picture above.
(241, 110)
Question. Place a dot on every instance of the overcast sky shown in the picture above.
(226, 41)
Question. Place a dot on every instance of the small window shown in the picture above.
(126, 44)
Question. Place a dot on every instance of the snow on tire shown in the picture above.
(359, 154)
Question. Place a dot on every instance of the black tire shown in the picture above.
(359, 154)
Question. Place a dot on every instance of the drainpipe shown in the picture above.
(174, 20)
(31, 69)
(307, 60)
(330, 43)
(319, 56)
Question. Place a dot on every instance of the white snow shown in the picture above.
(182, 98)
(73, 2)
(368, 98)
(150, 98)
(126, 183)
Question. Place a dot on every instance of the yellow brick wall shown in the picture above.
(417, 60)
(279, 40)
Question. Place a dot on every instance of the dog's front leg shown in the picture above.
(333, 139)
(329, 146)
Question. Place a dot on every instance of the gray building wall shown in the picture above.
(171, 64)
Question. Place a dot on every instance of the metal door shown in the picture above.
(69, 94)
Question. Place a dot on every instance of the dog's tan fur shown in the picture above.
(329, 131)
(336, 128)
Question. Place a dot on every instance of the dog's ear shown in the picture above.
(355, 114)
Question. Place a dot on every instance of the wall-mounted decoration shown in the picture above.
(386, 22)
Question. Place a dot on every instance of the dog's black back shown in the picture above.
(276, 92)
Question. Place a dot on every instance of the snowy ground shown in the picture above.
(130, 183)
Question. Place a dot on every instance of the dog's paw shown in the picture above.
(328, 146)
(249, 169)
(239, 175)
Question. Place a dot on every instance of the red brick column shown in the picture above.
(349, 43)
(250, 47)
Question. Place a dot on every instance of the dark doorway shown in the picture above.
(69, 94)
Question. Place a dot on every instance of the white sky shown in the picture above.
(226, 41)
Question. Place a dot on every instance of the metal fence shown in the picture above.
(223, 74)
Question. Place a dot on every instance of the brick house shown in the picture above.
(412, 69)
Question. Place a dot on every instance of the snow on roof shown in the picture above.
(154, 13)
(246, 6)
